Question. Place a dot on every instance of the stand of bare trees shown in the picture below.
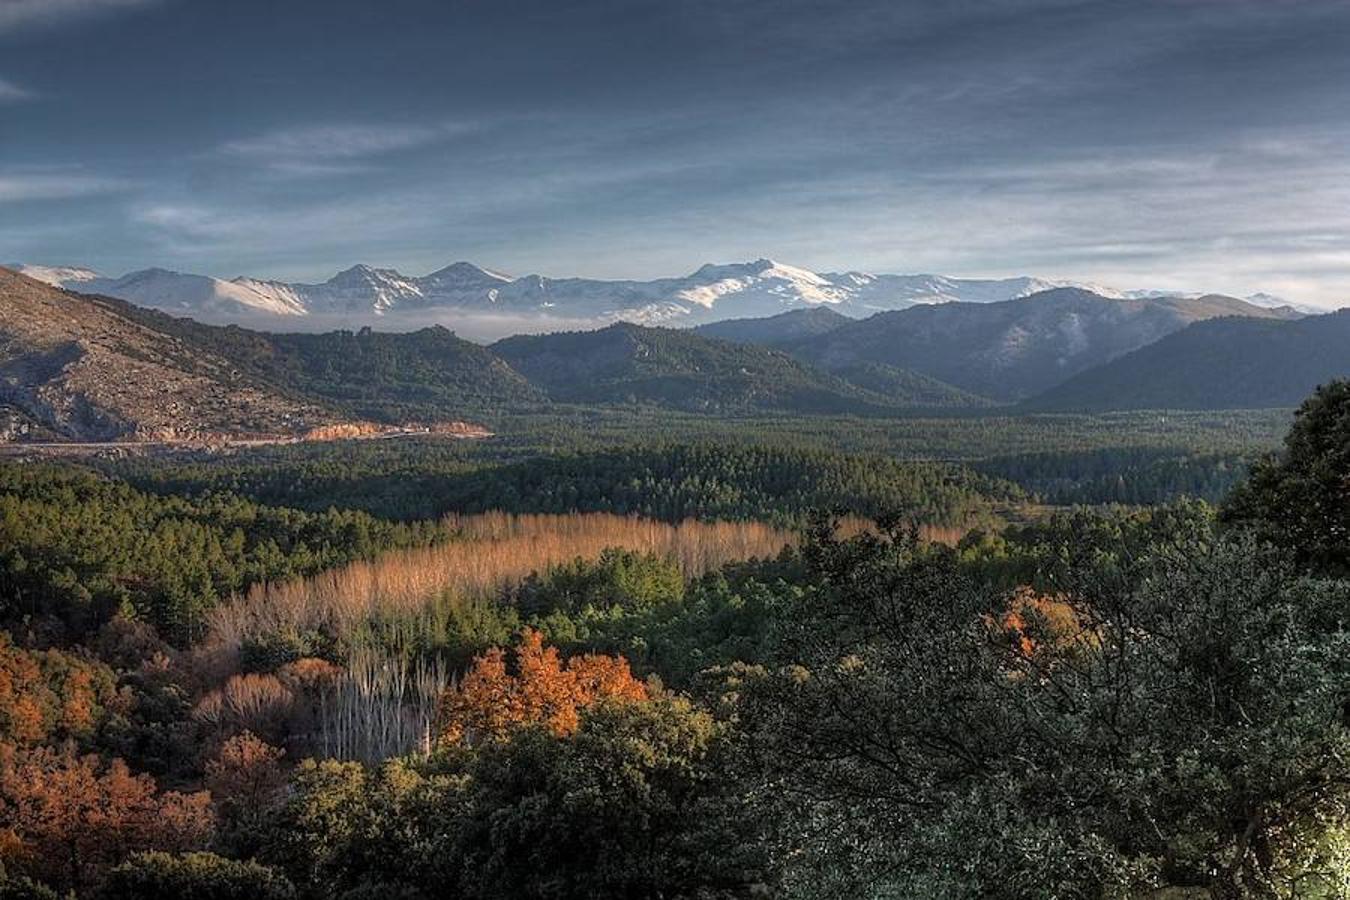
(383, 705)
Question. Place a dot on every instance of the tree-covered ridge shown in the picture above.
(709, 481)
(1227, 363)
(631, 364)
(776, 330)
(1014, 348)
(1132, 475)
(386, 376)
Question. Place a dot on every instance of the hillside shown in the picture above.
(910, 388)
(900, 386)
(83, 368)
(679, 369)
(1230, 363)
(774, 330)
(1017, 348)
(429, 374)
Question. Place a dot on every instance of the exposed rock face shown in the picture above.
(346, 431)
(73, 365)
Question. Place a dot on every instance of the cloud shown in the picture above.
(16, 14)
(12, 93)
(327, 143)
(20, 186)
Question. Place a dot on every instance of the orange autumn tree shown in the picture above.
(490, 701)
(1035, 622)
(67, 819)
(48, 695)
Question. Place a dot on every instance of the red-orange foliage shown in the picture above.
(66, 818)
(47, 694)
(1033, 621)
(246, 772)
(490, 701)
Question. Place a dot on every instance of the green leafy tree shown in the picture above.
(1301, 500)
(1188, 731)
(202, 876)
(638, 803)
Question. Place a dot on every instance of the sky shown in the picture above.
(1169, 144)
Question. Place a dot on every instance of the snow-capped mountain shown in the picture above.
(876, 293)
(188, 295)
(762, 287)
(68, 276)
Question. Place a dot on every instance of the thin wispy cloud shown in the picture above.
(305, 145)
(16, 14)
(13, 93)
(60, 184)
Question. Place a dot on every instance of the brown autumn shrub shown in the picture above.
(1035, 623)
(262, 704)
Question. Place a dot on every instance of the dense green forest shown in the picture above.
(77, 549)
(1131, 475)
(668, 482)
(284, 675)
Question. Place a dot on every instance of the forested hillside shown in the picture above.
(631, 364)
(426, 374)
(773, 331)
(1016, 348)
(1229, 363)
(86, 368)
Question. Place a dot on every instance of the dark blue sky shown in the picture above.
(1176, 143)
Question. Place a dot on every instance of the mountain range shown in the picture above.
(83, 367)
(362, 294)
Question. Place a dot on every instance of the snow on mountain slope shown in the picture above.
(57, 276)
(869, 293)
(189, 295)
(754, 289)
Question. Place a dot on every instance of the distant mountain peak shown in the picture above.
(754, 288)
(464, 269)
